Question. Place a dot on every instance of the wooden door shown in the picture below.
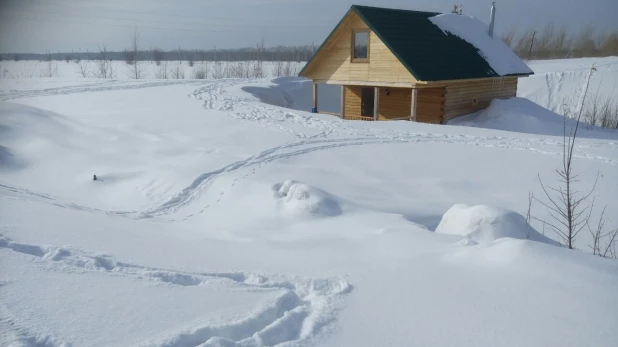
(367, 102)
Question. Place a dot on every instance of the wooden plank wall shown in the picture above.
(430, 108)
(396, 104)
(430, 105)
(352, 100)
(460, 95)
(333, 61)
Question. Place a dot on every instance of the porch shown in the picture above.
(374, 103)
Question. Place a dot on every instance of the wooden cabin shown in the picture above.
(397, 64)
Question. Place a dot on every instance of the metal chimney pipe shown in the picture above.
(492, 19)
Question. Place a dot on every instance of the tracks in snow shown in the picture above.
(327, 134)
(199, 186)
(302, 308)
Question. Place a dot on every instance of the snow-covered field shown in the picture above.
(223, 214)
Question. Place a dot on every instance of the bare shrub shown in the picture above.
(457, 9)
(28, 69)
(524, 44)
(178, 72)
(191, 59)
(103, 64)
(240, 69)
(218, 70)
(508, 36)
(136, 69)
(567, 206)
(161, 71)
(602, 111)
(83, 68)
(603, 243)
(129, 58)
(257, 70)
(278, 67)
(157, 56)
(51, 68)
(609, 44)
(584, 44)
(552, 43)
(200, 71)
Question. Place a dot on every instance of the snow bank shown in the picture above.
(484, 224)
(499, 56)
(299, 199)
(25, 130)
(524, 116)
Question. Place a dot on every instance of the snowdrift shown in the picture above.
(25, 130)
(484, 224)
(300, 199)
(524, 116)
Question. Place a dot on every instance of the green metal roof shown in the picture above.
(422, 47)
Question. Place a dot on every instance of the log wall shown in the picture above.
(464, 97)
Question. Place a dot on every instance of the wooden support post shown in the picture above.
(376, 102)
(314, 109)
(413, 102)
(342, 102)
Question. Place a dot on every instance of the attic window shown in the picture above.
(360, 46)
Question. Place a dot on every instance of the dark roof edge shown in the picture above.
(358, 10)
(394, 9)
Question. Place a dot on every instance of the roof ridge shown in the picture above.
(393, 9)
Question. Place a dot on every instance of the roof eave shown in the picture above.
(300, 74)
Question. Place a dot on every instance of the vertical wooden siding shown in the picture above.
(460, 96)
(430, 105)
(352, 100)
(333, 61)
(396, 104)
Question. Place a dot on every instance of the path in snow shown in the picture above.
(303, 307)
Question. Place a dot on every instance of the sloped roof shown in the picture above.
(427, 51)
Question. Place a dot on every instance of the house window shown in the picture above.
(360, 46)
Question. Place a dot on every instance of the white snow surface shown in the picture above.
(225, 214)
(485, 224)
(499, 56)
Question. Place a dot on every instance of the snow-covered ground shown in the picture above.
(225, 215)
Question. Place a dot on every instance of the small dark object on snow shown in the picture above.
(94, 178)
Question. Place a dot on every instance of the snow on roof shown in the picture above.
(499, 56)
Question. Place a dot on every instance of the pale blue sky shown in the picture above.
(64, 25)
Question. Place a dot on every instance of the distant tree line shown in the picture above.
(279, 53)
(553, 42)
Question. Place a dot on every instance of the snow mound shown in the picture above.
(484, 224)
(499, 56)
(524, 116)
(297, 198)
(24, 130)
